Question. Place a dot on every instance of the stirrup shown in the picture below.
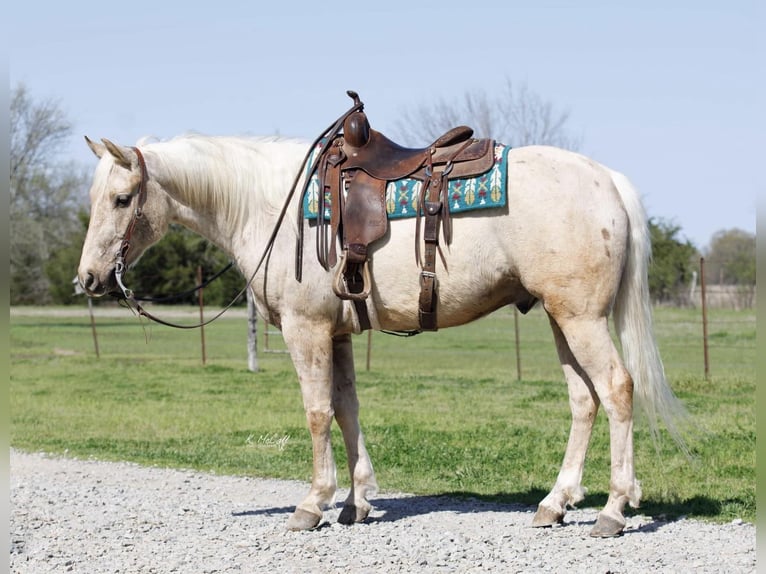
(340, 286)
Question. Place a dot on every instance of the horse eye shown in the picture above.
(122, 200)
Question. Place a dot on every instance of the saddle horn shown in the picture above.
(356, 127)
(357, 101)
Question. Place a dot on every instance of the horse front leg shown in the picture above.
(583, 403)
(311, 351)
(346, 404)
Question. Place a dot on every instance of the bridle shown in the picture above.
(138, 213)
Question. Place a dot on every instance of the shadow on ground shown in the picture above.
(392, 509)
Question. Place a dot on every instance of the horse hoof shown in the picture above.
(351, 514)
(546, 517)
(303, 520)
(607, 527)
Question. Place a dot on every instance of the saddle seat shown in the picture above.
(382, 158)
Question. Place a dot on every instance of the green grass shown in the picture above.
(443, 413)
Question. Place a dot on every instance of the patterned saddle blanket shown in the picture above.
(402, 195)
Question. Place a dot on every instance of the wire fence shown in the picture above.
(729, 349)
(528, 342)
(705, 340)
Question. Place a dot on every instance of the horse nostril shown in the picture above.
(88, 281)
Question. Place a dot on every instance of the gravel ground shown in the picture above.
(95, 517)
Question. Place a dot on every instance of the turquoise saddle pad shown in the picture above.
(480, 192)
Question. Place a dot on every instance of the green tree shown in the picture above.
(673, 263)
(169, 268)
(730, 259)
(61, 266)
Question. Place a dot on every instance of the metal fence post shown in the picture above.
(704, 318)
(201, 314)
(252, 334)
(518, 346)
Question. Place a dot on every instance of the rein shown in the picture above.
(183, 294)
(120, 268)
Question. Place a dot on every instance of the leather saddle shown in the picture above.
(353, 170)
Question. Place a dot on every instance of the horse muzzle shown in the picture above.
(95, 286)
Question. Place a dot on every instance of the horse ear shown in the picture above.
(96, 148)
(122, 155)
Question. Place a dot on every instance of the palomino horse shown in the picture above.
(574, 237)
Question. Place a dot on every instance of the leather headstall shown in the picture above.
(138, 213)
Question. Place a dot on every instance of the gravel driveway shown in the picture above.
(95, 517)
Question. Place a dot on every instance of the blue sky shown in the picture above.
(670, 93)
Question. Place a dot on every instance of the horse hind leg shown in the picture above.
(583, 403)
(356, 508)
(592, 347)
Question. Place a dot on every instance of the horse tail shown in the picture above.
(633, 322)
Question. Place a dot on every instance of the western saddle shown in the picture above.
(353, 169)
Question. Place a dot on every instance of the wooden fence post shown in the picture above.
(369, 348)
(93, 326)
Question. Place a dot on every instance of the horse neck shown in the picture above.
(226, 189)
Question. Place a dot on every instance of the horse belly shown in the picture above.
(474, 276)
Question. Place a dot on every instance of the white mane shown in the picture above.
(240, 177)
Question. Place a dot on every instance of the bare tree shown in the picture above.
(45, 195)
(516, 116)
(36, 129)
